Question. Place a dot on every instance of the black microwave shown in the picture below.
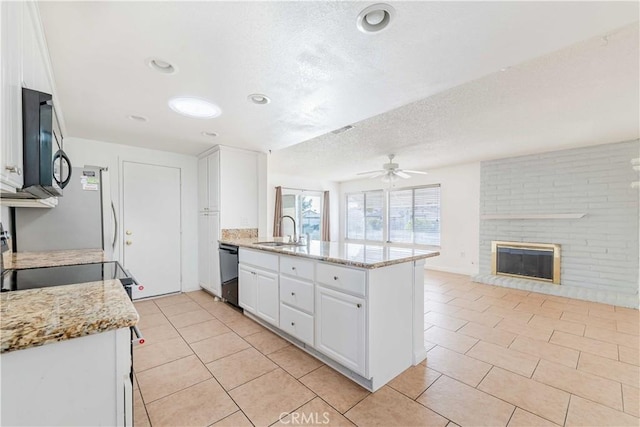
(47, 169)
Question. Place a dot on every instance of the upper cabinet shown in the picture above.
(229, 179)
(24, 62)
(209, 183)
(12, 15)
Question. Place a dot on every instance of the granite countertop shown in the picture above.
(35, 317)
(351, 254)
(22, 260)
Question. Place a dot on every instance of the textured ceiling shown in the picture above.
(585, 94)
(319, 70)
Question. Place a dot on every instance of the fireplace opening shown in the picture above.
(539, 261)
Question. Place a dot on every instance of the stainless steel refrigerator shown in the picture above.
(85, 217)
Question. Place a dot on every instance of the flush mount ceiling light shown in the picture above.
(375, 18)
(161, 66)
(194, 107)
(209, 134)
(137, 118)
(258, 98)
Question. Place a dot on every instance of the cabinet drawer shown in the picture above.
(296, 323)
(297, 293)
(296, 267)
(342, 278)
(259, 259)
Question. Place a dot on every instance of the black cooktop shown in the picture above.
(17, 280)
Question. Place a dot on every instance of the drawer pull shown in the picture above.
(293, 294)
(335, 277)
(293, 323)
(358, 305)
(293, 268)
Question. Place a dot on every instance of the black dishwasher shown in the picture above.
(229, 272)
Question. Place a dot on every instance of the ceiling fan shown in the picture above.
(391, 171)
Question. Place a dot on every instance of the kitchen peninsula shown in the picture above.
(356, 307)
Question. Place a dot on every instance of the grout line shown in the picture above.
(512, 413)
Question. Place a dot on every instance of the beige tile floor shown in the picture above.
(496, 357)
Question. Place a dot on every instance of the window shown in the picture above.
(306, 208)
(365, 220)
(414, 215)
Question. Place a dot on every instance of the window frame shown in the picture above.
(413, 210)
(298, 206)
(386, 215)
(364, 217)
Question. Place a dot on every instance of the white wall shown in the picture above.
(274, 180)
(460, 213)
(88, 152)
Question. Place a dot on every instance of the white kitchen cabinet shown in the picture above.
(268, 296)
(11, 50)
(258, 285)
(340, 328)
(83, 381)
(258, 293)
(247, 289)
(208, 258)
(209, 183)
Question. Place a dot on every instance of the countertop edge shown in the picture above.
(18, 334)
(369, 266)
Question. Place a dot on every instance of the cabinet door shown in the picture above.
(247, 295)
(213, 190)
(214, 256)
(204, 275)
(340, 328)
(11, 27)
(203, 185)
(268, 297)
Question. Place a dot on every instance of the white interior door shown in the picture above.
(151, 227)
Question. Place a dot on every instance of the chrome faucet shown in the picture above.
(295, 234)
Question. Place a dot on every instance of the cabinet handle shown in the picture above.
(293, 294)
(335, 277)
(293, 268)
(14, 169)
(358, 305)
(293, 323)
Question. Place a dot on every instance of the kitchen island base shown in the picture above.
(366, 323)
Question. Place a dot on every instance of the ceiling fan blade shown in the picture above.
(370, 172)
(418, 172)
(376, 171)
(401, 174)
(378, 175)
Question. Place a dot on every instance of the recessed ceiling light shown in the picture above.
(375, 18)
(137, 118)
(258, 98)
(209, 134)
(161, 66)
(194, 107)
